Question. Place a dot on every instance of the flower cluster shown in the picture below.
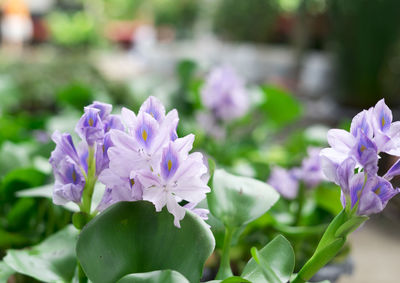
(225, 95)
(149, 162)
(71, 164)
(138, 158)
(287, 182)
(352, 160)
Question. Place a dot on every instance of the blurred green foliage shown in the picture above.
(235, 20)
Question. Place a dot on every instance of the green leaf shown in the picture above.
(268, 273)
(8, 239)
(131, 237)
(350, 225)
(233, 279)
(5, 271)
(239, 200)
(277, 255)
(164, 276)
(280, 106)
(51, 261)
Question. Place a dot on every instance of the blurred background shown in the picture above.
(322, 60)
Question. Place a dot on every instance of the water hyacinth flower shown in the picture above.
(284, 181)
(352, 160)
(287, 182)
(225, 95)
(148, 161)
(71, 164)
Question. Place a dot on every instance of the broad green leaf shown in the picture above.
(53, 260)
(239, 200)
(161, 276)
(266, 270)
(131, 237)
(278, 255)
(5, 271)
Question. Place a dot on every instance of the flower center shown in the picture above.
(144, 135)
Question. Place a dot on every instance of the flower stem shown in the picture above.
(225, 266)
(90, 182)
(300, 203)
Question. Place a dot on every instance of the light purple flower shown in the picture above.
(70, 163)
(284, 181)
(311, 168)
(68, 170)
(177, 177)
(371, 132)
(370, 192)
(90, 127)
(225, 95)
(148, 161)
(352, 159)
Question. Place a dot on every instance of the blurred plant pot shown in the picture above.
(333, 271)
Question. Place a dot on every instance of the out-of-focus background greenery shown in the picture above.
(309, 65)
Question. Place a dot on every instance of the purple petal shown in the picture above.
(169, 162)
(154, 107)
(382, 116)
(104, 109)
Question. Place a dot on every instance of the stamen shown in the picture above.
(144, 135)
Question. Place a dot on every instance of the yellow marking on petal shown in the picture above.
(144, 135)
(383, 121)
(377, 191)
(169, 165)
(132, 181)
(74, 176)
(363, 148)
(91, 122)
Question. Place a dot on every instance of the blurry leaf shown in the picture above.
(164, 276)
(20, 213)
(8, 239)
(281, 107)
(5, 271)
(239, 200)
(277, 256)
(53, 260)
(18, 179)
(76, 95)
(18, 153)
(131, 237)
(47, 192)
(328, 198)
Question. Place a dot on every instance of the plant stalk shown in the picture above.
(225, 270)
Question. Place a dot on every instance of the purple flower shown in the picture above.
(90, 127)
(352, 159)
(370, 193)
(284, 181)
(224, 94)
(177, 177)
(68, 170)
(148, 161)
(70, 164)
(311, 168)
